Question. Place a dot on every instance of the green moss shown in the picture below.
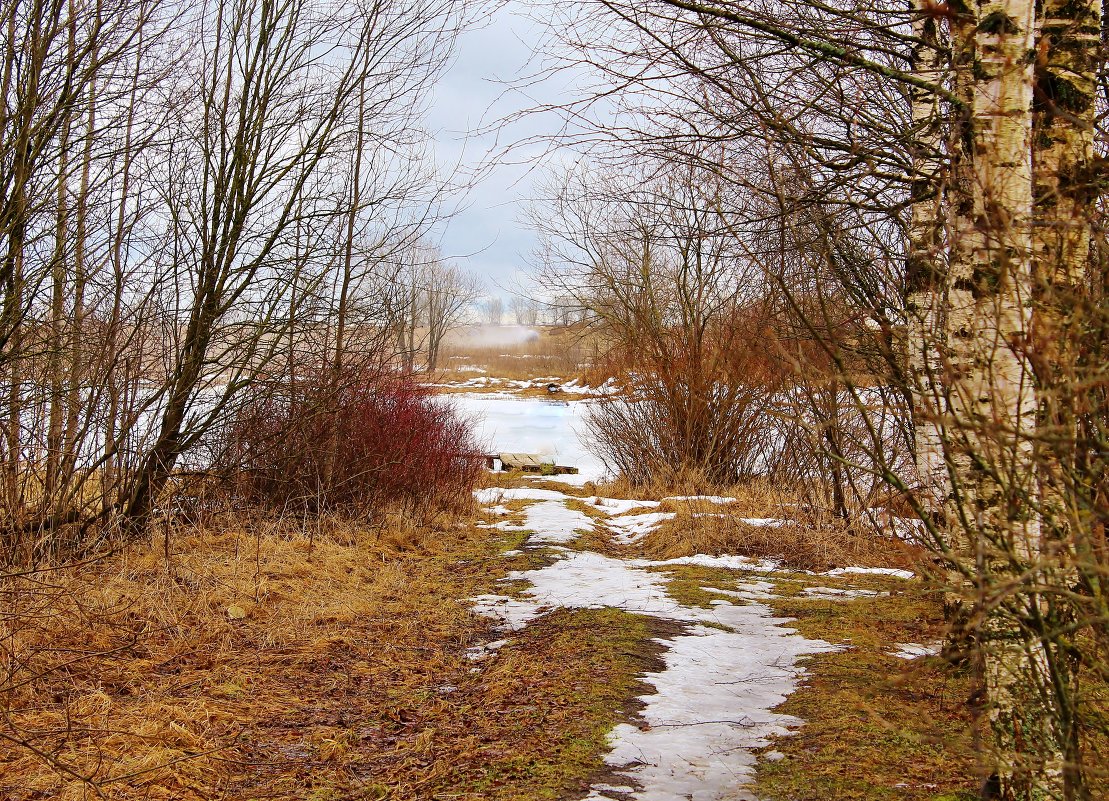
(1075, 11)
(1063, 93)
(692, 585)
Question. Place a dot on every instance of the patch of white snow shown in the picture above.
(498, 494)
(618, 506)
(764, 522)
(552, 522)
(630, 529)
(727, 562)
(912, 650)
(876, 571)
(717, 499)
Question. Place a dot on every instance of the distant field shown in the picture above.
(517, 352)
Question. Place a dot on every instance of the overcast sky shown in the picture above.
(488, 235)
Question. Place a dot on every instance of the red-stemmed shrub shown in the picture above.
(356, 443)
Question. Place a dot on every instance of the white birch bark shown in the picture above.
(992, 390)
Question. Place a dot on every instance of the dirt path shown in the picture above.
(728, 665)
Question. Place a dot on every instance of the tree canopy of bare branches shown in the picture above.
(193, 199)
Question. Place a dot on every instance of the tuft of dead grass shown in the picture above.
(804, 541)
(798, 546)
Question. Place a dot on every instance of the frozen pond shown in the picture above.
(533, 425)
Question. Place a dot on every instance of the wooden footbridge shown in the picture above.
(527, 463)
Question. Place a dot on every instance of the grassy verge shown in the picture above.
(876, 726)
(269, 665)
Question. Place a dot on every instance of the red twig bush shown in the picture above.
(356, 443)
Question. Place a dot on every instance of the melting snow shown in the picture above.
(731, 665)
(723, 675)
(552, 522)
(911, 650)
(573, 479)
(504, 525)
(496, 495)
(507, 423)
(618, 506)
(748, 590)
(728, 562)
(630, 529)
(877, 571)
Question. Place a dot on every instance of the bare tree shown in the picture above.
(195, 200)
(493, 310)
(525, 311)
(186, 192)
(451, 294)
(645, 260)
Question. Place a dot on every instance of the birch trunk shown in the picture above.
(925, 265)
(992, 395)
(1063, 150)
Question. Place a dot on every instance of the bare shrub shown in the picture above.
(357, 443)
(666, 432)
(835, 445)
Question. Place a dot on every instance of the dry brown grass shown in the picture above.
(757, 498)
(797, 545)
(264, 662)
(809, 541)
(557, 353)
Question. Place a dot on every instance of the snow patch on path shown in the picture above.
(630, 529)
(727, 562)
(552, 522)
(618, 506)
(748, 590)
(497, 495)
(723, 676)
(713, 707)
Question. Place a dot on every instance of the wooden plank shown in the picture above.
(528, 463)
(524, 460)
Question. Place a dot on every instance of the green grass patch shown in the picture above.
(691, 584)
(553, 694)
